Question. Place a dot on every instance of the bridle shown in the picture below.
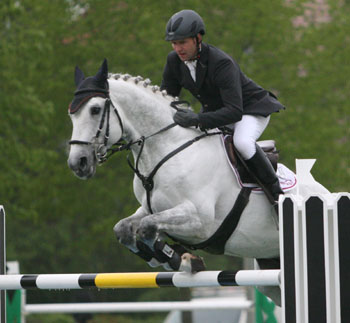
(102, 153)
(100, 148)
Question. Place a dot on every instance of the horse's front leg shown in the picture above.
(182, 220)
(125, 231)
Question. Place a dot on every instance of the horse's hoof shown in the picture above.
(191, 263)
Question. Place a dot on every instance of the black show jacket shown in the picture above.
(221, 87)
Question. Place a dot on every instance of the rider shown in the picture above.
(227, 95)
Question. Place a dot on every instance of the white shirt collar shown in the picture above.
(192, 65)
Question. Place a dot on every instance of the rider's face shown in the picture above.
(185, 48)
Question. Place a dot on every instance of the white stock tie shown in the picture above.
(192, 67)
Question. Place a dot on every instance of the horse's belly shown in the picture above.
(239, 245)
(256, 235)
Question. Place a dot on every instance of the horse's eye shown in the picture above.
(95, 110)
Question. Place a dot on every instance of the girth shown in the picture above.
(216, 243)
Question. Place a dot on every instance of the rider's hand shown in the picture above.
(186, 118)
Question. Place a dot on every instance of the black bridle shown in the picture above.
(102, 153)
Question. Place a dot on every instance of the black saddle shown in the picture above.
(268, 146)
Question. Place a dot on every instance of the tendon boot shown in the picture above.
(263, 170)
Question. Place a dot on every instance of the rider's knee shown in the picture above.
(246, 146)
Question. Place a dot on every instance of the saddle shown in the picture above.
(268, 146)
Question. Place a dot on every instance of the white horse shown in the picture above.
(193, 191)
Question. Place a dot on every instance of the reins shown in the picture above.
(147, 181)
(103, 154)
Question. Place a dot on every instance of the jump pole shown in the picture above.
(141, 280)
(134, 307)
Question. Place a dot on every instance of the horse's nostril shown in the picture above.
(83, 162)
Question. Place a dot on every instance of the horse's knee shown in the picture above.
(148, 232)
(123, 231)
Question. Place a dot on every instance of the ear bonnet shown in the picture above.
(89, 87)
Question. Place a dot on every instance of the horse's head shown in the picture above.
(95, 129)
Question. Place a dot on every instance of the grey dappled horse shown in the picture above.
(183, 181)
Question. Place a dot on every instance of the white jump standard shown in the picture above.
(315, 258)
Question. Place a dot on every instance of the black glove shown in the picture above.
(186, 118)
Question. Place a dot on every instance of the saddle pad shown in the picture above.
(287, 178)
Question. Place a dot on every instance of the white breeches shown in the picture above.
(247, 132)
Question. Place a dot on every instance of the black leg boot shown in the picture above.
(263, 170)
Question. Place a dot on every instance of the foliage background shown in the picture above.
(58, 224)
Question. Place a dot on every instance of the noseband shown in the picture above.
(100, 148)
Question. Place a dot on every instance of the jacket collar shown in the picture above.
(201, 68)
(202, 65)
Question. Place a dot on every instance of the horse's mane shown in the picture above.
(146, 84)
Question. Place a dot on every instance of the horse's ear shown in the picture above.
(79, 76)
(102, 74)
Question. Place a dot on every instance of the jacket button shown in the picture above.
(198, 96)
(205, 105)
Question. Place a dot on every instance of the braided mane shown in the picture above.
(147, 84)
(140, 81)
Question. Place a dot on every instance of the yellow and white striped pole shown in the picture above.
(141, 280)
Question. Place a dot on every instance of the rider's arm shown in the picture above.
(227, 77)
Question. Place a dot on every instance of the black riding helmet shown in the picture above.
(184, 24)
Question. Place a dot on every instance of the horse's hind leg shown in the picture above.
(274, 292)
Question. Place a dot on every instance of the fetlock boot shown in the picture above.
(262, 168)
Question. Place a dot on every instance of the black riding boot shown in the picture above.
(263, 170)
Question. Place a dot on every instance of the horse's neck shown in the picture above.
(144, 113)
(143, 110)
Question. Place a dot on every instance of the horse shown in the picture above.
(183, 181)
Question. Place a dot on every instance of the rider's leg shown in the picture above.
(263, 169)
(247, 132)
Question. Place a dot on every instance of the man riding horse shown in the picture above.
(228, 96)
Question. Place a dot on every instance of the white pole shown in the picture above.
(123, 307)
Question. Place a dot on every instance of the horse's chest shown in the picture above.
(161, 196)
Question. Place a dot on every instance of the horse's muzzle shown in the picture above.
(82, 166)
